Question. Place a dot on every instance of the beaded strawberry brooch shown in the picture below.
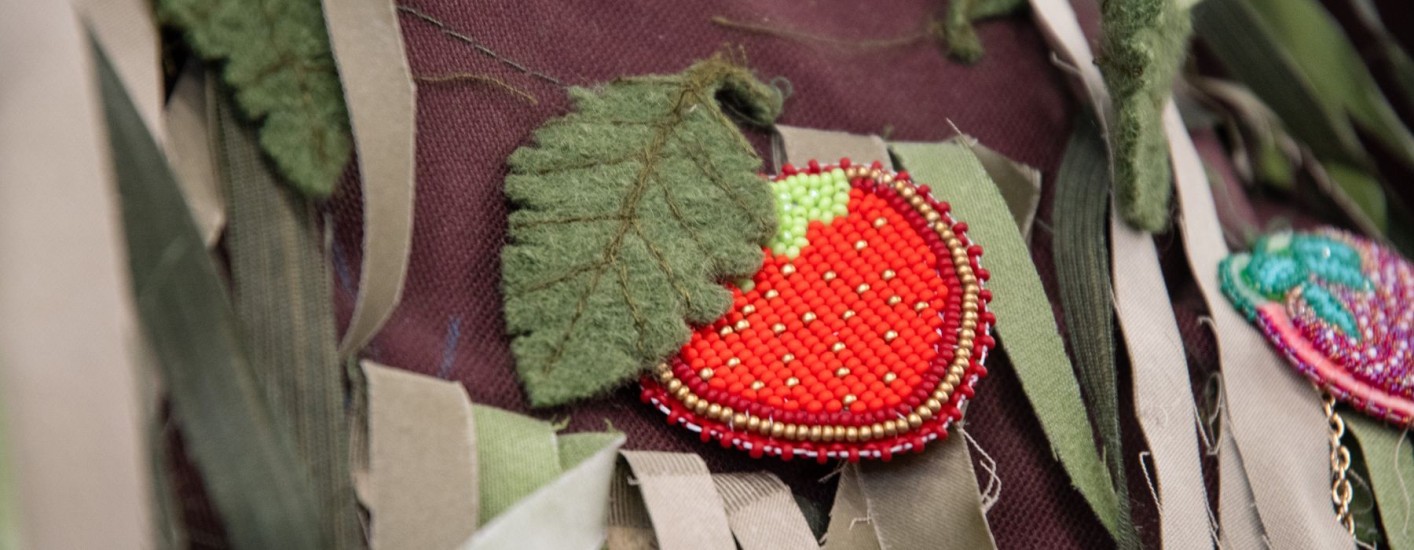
(1340, 308)
(862, 335)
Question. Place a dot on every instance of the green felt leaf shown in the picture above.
(276, 55)
(963, 43)
(1144, 46)
(624, 219)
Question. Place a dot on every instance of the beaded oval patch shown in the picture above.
(862, 335)
(1340, 308)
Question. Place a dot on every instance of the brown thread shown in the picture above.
(691, 233)
(933, 31)
(638, 322)
(481, 78)
(560, 221)
(449, 31)
(662, 264)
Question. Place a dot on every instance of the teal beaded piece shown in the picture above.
(1284, 262)
(803, 198)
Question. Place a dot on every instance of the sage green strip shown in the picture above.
(1024, 318)
(566, 513)
(1390, 463)
(244, 454)
(284, 305)
(1079, 219)
(516, 455)
(1019, 184)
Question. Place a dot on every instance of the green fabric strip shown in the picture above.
(1024, 317)
(285, 307)
(516, 455)
(242, 452)
(1079, 217)
(1390, 464)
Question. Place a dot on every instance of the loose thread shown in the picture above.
(484, 79)
(934, 30)
(449, 31)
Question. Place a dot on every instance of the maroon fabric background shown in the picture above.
(449, 323)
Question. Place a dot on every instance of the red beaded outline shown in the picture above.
(928, 411)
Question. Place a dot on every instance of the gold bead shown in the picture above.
(925, 413)
(890, 427)
(880, 222)
(738, 420)
(837, 347)
(914, 420)
(827, 434)
(748, 309)
(754, 424)
(733, 362)
(771, 294)
(792, 382)
(701, 407)
(889, 377)
(847, 314)
(953, 379)
(842, 372)
(742, 325)
(851, 434)
(725, 330)
(849, 398)
(962, 353)
(665, 376)
(920, 306)
(969, 324)
(815, 433)
(967, 279)
(860, 244)
(932, 216)
(787, 269)
(787, 357)
(943, 230)
(674, 384)
(890, 335)
(690, 401)
(907, 192)
(894, 300)
(778, 328)
(682, 393)
(792, 431)
(778, 430)
(808, 317)
(966, 334)
(933, 403)
(968, 305)
(888, 274)
(757, 385)
(945, 389)
(862, 288)
(969, 316)
(714, 411)
(705, 373)
(829, 276)
(727, 413)
(886, 179)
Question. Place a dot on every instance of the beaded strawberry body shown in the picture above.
(1340, 308)
(862, 334)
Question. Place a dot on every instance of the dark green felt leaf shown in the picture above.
(1144, 45)
(625, 218)
(277, 57)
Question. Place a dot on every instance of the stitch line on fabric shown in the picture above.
(449, 31)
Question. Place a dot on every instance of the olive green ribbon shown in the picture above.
(1025, 322)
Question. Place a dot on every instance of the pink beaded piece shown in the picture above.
(1340, 308)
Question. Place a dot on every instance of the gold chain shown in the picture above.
(1340, 465)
